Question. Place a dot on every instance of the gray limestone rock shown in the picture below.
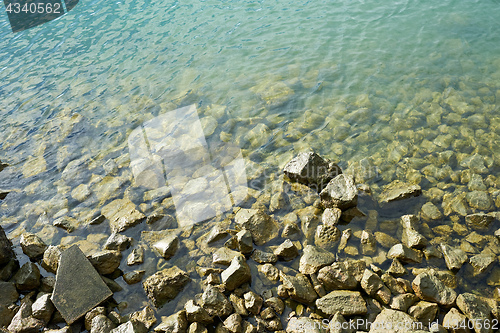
(453, 320)
(24, 322)
(482, 263)
(398, 321)
(78, 288)
(253, 302)
(342, 275)
(51, 258)
(117, 242)
(244, 241)
(101, 324)
(163, 286)
(134, 277)
(43, 308)
(331, 216)
(215, 303)
(32, 245)
(345, 302)
(237, 273)
(8, 294)
(146, 317)
(176, 323)
(314, 258)
(195, 313)
(264, 257)
(429, 287)
(299, 288)
(373, 285)
(340, 193)
(454, 258)
(136, 257)
(262, 227)
(106, 261)
(233, 323)
(223, 256)
(326, 236)
(312, 170)
(402, 302)
(423, 311)
(167, 247)
(286, 250)
(411, 236)
(405, 254)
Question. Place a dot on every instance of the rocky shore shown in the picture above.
(325, 266)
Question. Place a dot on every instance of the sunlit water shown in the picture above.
(350, 79)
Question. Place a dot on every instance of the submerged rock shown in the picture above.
(399, 191)
(405, 254)
(122, 214)
(454, 258)
(479, 221)
(299, 288)
(163, 286)
(312, 170)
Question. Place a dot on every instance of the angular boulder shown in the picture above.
(341, 192)
(262, 226)
(346, 302)
(163, 286)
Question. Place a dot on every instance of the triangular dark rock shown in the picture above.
(79, 288)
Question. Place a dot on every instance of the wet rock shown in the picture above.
(411, 236)
(313, 259)
(264, 257)
(453, 320)
(271, 272)
(136, 257)
(286, 250)
(163, 286)
(224, 256)
(430, 212)
(118, 242)
(217, 233)
(67, 223)
(238, 305)
(299, 288)
(479, 200)
(482, 263)
(331, 216)
(291, 231)
(27, 277)
(101, 324)
(402, 302)
(396, 268)
(368, 243)
(106, 261)
(424, 312)
(236, 274)
(176, 323)
(9, 293)
(340, 193)
(342, 275)
(373, 285)
(122, 215)
(385, 240)
(78, 288)
(32, 245)
(476, 309)
(400, 321)
(43, 308)
(215, 303)
(429, 287)
(399, 191)
(479, 221)
(404, 254)
(24, 322)
(81, 192)
(146, 317)
(167, 247)
(345, 302)
(134, 276)
(454, 258)
(195, 313)
(326, 236)
(6, 253)
(338, 324)
(244, 241)
(276, 304)
(253, 302)
(346, 235)
(262, 227)
(279, 201)
(312, 170)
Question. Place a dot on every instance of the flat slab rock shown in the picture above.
(79, 288)
(346, 302)
(399, 191)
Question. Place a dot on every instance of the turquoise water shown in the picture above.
(351, 79)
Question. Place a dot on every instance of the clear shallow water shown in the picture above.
(352, 80)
